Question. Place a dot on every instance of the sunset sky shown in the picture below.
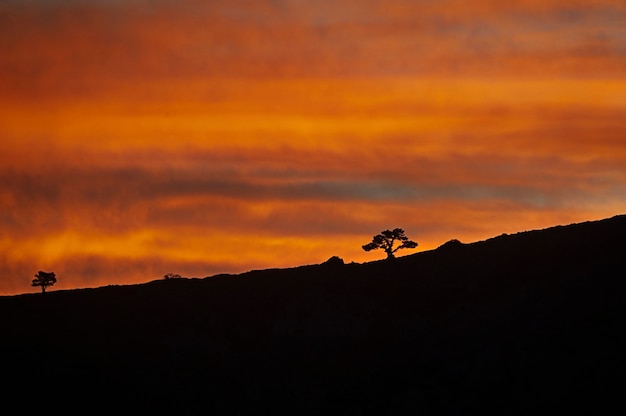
(143, 137)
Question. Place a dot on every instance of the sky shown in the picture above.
(145, 137)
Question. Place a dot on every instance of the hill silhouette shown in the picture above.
(518, 324)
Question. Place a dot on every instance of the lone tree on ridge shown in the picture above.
(44, 279)
(387, 239)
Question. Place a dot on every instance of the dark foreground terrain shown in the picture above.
(531, 323)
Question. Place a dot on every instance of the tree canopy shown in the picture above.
(386, 241)
(44, 279)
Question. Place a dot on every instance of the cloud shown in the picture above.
(140, 139)
(71, 49)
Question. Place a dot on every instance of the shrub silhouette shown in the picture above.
(334, 261)
(387, 239)
(450, 244)
(44, 279)
(172, 276)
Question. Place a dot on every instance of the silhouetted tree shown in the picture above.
(44, 279)
(387, 239)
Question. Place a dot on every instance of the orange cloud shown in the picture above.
(80, 48)
(138, 141)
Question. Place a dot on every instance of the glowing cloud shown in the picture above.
(140, 138)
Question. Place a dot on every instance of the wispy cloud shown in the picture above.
(140, 138)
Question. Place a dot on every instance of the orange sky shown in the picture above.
(143, 137)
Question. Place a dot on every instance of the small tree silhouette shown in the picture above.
(44, 279)
(387, 239)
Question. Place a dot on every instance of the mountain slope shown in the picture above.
(515, 324)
